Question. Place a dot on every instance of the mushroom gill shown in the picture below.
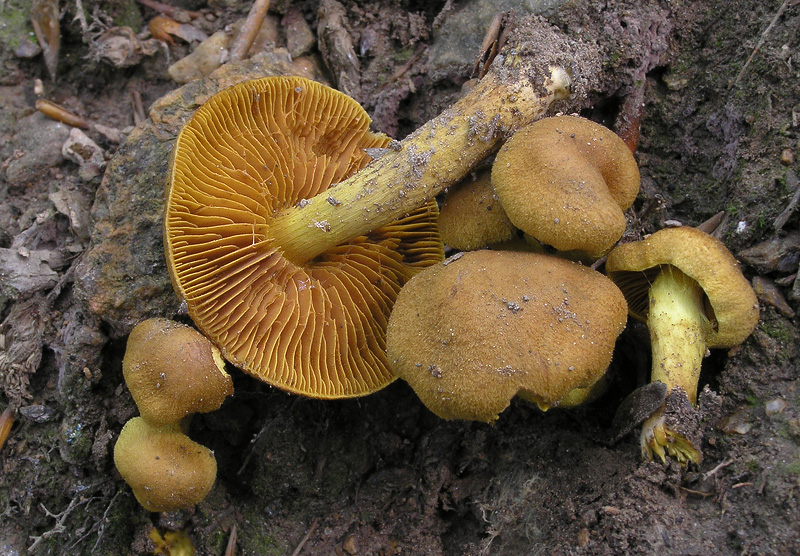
(313, 327)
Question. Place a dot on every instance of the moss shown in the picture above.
(402, 56)
(793, 468)
(15, 23)
(777, 330)
(127, 14)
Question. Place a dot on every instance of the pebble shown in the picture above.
(38, 148)
(778, 254)
(768, 292)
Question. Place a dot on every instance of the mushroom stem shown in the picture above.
(678, 331)
(437, 155)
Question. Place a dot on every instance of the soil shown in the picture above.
(716, 86)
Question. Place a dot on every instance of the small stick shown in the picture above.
(763, 39)
(167, 9)
(710, 226)
(249, 30)
(303, 541)
(138, 107)
(6, 422)
(53, 110)
(230, 549)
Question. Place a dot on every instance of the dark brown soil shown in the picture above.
(381, 475)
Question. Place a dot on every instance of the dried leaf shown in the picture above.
(45, 20)
(164, 28)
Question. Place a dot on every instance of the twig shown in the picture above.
(166, 9)
(61, 519)
(230, 549)
(311, 529)
(6, 422)
(138, 107)
(80, 15)
(249, 30)
(717, 469)
(710, 226)
(791, 182)
(763, 39)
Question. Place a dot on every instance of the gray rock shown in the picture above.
(457, 43)
(123, 276)
(37, 149)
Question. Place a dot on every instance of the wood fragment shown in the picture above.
(763, 39)
(6, 422)
(628, 122)
(242, 43)
(792, 182)
(166, 9)
(710, 226)
(230, 549)
(45, 20)
(138, 107)
(61, 114)
(304, 540)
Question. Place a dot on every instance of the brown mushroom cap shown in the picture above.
(472, 217)
(172, 370)
(470, 334)
(311, 327)
(566, 181)
(731, 304)
(166, 470)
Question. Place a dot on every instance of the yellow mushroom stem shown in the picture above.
(678, 330)
(412, 171)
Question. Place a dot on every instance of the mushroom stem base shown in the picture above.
(658, 439)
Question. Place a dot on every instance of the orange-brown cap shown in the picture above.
(471, 333)
(172, 371)
(732, 306)
(472, 217)
(311, 327)
(566, 181)
(166, 470)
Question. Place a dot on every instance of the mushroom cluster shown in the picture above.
(172, 371)
(306, 247)
(563, 182)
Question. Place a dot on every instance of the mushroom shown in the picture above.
(172, 371)
(566, 181)
(471, 216)
(471, 333)
(271, 278)
(165, 469)
(314, 327)
(689, 289)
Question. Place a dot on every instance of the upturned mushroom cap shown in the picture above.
(172, 371)
(471, 333)
(566, 181)
(731, 304)
(471, 216)
(166, 470)
(314, 327)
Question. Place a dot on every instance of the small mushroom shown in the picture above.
(689, 290)
(314, 327)
(172, 371)
(471, 333)
(471, 216)
(566, 181)
(165, 469)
